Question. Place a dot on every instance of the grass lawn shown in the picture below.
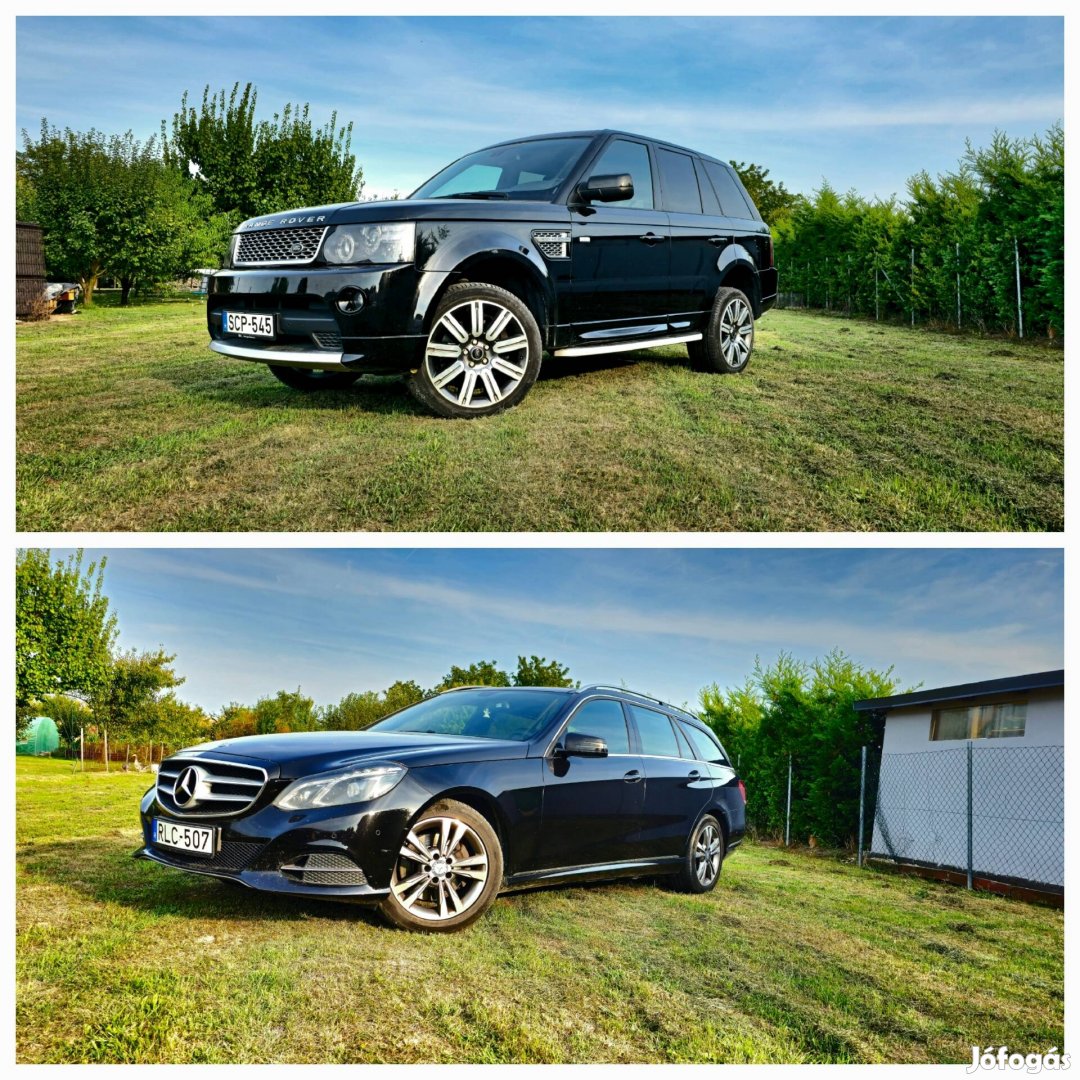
(793, 958)
(127, 421)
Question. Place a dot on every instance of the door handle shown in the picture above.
(695, 775)
(719, 241)
(651, 238)
(632, 777)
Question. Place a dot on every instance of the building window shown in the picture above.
(999, 721)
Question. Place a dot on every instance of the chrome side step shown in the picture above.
(288, 356)
(626, 346)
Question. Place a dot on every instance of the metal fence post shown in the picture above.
(912, 284)
(970, 823)
(862, 804)
(82, 758)
(787, 825)
(957, 284)
(877, 309)
(1019, 305)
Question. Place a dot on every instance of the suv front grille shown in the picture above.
(216, 789)
(279, 247)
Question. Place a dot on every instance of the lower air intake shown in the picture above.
(325, 868)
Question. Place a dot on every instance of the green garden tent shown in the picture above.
(41, 737)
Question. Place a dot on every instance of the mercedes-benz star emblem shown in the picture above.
(187, 784)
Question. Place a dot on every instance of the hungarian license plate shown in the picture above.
(248, 323)
(194, 838)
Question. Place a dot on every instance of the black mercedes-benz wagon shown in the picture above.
(435, 809)
(575, 244)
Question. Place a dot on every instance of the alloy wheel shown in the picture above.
(442, 869)
(477, 354)
(736, 333)
(707, 849)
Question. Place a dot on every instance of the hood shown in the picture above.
(410, 210)
(301, 753)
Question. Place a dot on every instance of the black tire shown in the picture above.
(309, 381)
(426, 903)
(729, 337)
(491, 367)
(691, 877)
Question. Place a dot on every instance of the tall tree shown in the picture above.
(287, 710)
(539, 671)
(64, 631)
(109, 205)
(479, 673)
(125, 705)
(252, 167)
(773, 200)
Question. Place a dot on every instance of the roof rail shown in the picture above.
(644, 697)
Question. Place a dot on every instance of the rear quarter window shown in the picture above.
(729, 191)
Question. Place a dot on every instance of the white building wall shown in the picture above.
(1017, 795)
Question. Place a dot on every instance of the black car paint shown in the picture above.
(557, 817)
(643, 273)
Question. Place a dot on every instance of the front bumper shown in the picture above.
(262, 849)
(385, 335)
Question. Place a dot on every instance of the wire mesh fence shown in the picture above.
(987, 811)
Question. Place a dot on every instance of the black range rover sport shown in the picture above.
(433, 810)
(577, 243)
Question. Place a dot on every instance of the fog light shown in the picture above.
(350, 301)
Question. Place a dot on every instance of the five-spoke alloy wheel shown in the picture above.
(482, 353)
(729, 337)
(448, 870)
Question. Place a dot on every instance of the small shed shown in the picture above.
(29, 267)
(40, 738)
(972, 779)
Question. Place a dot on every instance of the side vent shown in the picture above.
(325, 868)
(553, 245)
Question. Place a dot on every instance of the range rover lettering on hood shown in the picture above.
(293, 219)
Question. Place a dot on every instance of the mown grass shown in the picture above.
(127, 421)
(793, 958)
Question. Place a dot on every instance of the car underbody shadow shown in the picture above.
(104, 870)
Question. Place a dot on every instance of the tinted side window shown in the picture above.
(657, 735)
(603, 718)
(709, 201)
(728, 191)
(679, 182)
(705, 744)
(684, 746)
(623, 156)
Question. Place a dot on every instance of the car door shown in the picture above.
(620, 251)
(676, 787)
(696, 239)
(591, 805)
(738, 220)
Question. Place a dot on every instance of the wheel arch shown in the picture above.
(739, 272)
(485, 805)
(508, 270)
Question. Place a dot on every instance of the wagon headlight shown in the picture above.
(394, 242)
(343, 786)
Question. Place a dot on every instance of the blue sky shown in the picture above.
(248, 622)
(865, 102)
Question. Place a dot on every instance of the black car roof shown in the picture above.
(598, 132)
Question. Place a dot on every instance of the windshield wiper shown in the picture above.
(475, 195)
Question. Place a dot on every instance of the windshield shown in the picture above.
(513, 713)
(524, 170)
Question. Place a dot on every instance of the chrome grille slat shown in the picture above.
(279, 247)
(216, 777)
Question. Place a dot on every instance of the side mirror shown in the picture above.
(577, 745)
(614, 188)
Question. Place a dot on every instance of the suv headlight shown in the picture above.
(343, 786)
(394, 242)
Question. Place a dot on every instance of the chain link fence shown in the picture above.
(987, 811)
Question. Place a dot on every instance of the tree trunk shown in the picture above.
(89, 283)
(126, 284)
